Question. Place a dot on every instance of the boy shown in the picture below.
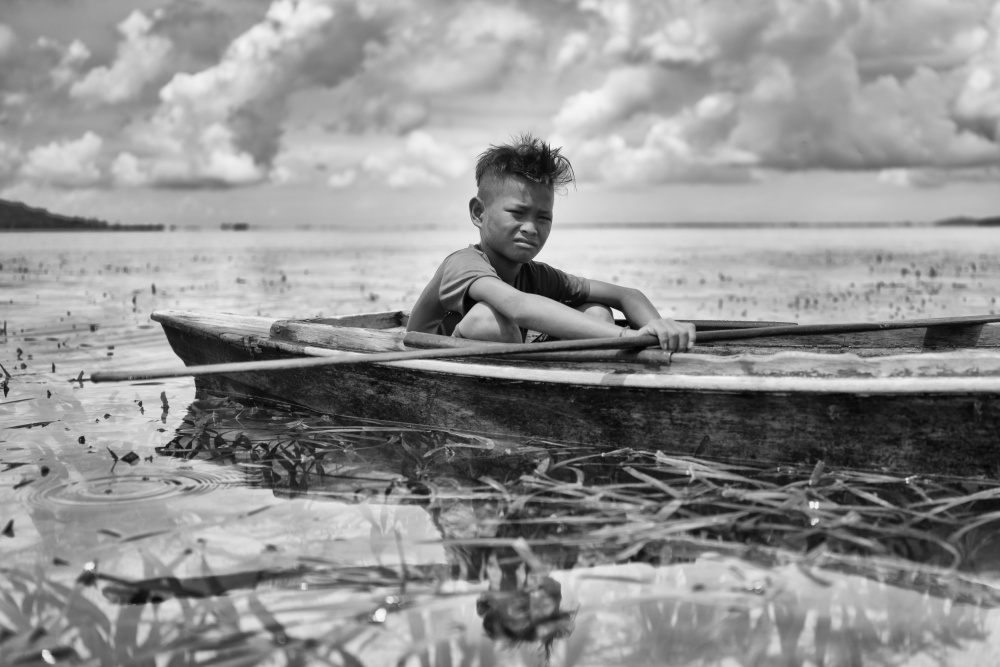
(494, 291)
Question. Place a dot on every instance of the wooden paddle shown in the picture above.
(971, 323)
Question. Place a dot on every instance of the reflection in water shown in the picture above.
(289, 533)
(571, 501)
(160, 589)
(528, 612)
(518, 517)
(297, 454)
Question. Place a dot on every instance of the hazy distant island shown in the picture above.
(962, 221)
(15, 216)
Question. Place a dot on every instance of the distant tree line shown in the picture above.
(992, 221)
(18, 216)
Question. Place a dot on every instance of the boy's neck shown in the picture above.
(505, 268)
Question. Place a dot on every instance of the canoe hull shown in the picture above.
(951, 433)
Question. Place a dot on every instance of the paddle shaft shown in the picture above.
(842, 328)
(502, 349)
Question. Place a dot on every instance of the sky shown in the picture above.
(370, 113)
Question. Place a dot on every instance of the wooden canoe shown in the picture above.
(901, 401)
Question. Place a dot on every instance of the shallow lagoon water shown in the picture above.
(264, 534)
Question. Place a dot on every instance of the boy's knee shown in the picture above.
(598, 310)
(483, 322)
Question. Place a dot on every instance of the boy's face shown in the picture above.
(516, 220)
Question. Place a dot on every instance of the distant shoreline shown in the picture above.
(19, 217)
(743, 225)
(950, 222)
(108, 228)
(803, 226)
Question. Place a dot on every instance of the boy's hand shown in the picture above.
(673, 336)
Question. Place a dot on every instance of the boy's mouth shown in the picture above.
(525, 243)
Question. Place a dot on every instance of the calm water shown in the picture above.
(144, 524)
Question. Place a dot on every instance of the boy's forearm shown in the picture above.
(638, 309)
(556, 319)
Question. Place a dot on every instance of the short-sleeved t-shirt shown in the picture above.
(445, 300)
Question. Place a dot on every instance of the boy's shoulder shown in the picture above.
(470, 250)
(470, 253)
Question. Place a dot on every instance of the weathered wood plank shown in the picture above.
(214, 323)
(382, 320)
(340, 337)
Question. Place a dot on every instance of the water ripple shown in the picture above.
(130, 488)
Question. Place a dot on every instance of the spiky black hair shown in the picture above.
(528, 157)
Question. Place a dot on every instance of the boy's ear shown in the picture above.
(476, 210)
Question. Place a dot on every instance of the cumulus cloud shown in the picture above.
(25, 66)
(215, 162)
(141, 58)
(220, 113)
(432, 54)
(637, 91)
(573, 49)
(67, 69)
(10, 160)
(895, 39)
(126, 171)
(342, 179)
(831, 120)
(478, 44)
(6, 40)
(360, 105)
(679, 148)
(69, 163)
(422, 161)
(222, 125)
(201, 30)
(845, 84)
(913, 178)
(626, 92)
(978, 102)
(936, 178)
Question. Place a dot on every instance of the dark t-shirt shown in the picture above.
(445, 300)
